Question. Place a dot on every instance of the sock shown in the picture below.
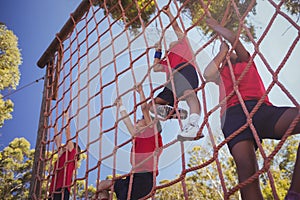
(194, 118)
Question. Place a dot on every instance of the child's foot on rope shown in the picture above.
(168, 112)
(189, 132)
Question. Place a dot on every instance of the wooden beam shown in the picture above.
(64, 33)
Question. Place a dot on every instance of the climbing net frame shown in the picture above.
(89, 66)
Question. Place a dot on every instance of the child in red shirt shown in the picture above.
(64, 167)
(269, 121)
(179, 62)
(145, 152)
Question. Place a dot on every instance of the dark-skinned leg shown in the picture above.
(246, 163)
(103, 187)
(280, 128)
(284, 122)
(295, 186)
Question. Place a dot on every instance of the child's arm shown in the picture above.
(144, 106)
(240, 50)
(211, 72)
(177, 29)
(57, 139)
(157, 67)
(125, 117)
(70, 144)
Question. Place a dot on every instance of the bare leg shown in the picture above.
(160, 101)
(285, 120)
(104, 195)
(246, 163)
(280, 128)
(103, 187)
(296, 175)
(190, 129)
(192, 101)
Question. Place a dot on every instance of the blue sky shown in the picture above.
(35, 23)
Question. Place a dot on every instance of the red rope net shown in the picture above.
(110, 50)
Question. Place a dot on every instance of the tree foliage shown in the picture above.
(10, 59)
(206, 184)
(84, 192)
(132, 11)
(16, 163)
(128, 12)
(217, 9)
(293, 6)
(6, 107)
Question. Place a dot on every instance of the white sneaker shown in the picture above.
(189, 132)
(166, 111)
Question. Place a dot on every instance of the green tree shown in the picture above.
(10, 59)
(83, 192)
(16, 162)
(205, 183)
(171, 192)
(193, 9)
(293, 6)
(217, 9)
(132, 11)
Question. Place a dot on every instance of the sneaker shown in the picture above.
(189, 132)
(166, 111)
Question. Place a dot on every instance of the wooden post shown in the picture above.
(40, 146)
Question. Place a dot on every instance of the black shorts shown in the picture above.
(58, 194)
(141, 186)
(185, 78)
(264, 121)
